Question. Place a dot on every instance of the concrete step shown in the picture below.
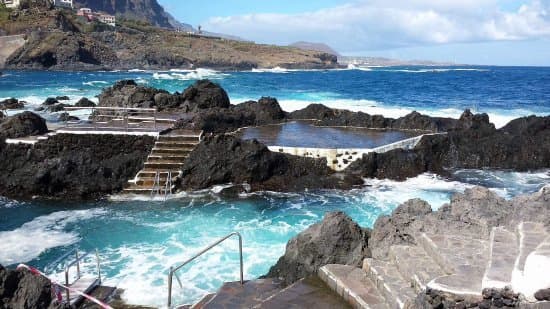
(415, 265)
(453, 252)
(170, 159)
(252, 293)
(162, 166)
(179, 138)
(353, 285)
(308, 292)
(532, 265)
(503, 252)
(174, 145)
(203, 301)
(530, 235)
(149, 182)
(171, 151)
(466, 258)
(397, 291)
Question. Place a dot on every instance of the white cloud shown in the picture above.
(380, 24)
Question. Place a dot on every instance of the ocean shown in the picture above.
(139, 240)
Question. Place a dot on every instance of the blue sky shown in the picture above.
(502, 32)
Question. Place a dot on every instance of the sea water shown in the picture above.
(139, 240)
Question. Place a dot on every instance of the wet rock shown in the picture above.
(84, 102)
(335, 240)
(543, 295)
(64, 117)
(70, 166)
(336, 117)
(22, 289)
(127, 93)
(62, 98)
(12, 103)
(226, 159)
(205, 94)
(21, 125)
(396, 164)
(221, 120)
(50, 101)
(57, 107)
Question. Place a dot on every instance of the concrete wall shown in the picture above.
(8, 45)
(340, 159)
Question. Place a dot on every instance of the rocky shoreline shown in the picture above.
(61, 161)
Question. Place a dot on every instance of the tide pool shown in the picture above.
(139, 240)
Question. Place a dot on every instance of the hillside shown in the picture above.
(146, 10)
(58, 40)
(320, 47)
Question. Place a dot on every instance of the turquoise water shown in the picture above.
(139, 240)
(503, 92)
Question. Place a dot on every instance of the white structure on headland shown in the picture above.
(107, 19)
(63, 3)
(11, 3)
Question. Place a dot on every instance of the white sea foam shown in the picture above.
(45, 232)
(190, 74)
(95, 83)
(272, 70)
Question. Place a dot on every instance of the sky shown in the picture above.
(497, 32)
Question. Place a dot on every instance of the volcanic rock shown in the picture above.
(542, 295)
(50, 101)
(335, 240)
(204, 94)
(226, 159)
(11, 103)
(62, 98)
(22, 289)
(21, 125)
(64, 117)
(84, 102)
(71, 166)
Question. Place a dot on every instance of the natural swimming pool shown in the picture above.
(306, 134)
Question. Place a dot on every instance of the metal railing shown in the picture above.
(117, 117)
(156, 185)
(173, 270)
(77, 263)
(168, 186)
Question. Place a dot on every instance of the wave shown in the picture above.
(273, 70)
(360, 68)
(190, 75)
(434, 70)
(95, 83)
(45, 232)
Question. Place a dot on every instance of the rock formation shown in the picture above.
(12, 103)
(21, 125)
(22, 289)
(224, 159)
(71, 166)
(472, 213)
(334, 240)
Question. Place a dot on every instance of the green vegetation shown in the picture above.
(138, 25)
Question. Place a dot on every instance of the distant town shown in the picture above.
(84, 13)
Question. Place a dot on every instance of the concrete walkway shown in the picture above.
(457, 266)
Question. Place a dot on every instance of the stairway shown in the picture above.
(269, 294)
(166, 158)
(454, 265)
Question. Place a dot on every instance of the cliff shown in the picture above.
(59, 40)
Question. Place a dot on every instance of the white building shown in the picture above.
(107, 19)
(63, 3)
(12, 4)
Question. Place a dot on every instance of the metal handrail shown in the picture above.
(173, 270)
(119, 112)
(168, 186)
(77, 263)
(156, 185)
